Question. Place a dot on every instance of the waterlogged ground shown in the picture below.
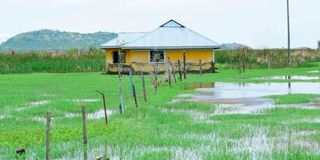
(239, 116)
(249, 98)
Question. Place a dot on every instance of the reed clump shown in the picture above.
(265, 58)
(54, 62)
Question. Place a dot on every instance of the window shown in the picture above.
(157, 57)
(119, 57)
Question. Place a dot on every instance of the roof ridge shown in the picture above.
(171, 20)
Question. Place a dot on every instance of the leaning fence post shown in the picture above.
(84, 124)
(104, 105)
(120, 90)
(133, 89)
(144, 87)
(48, 135)
(184, 65)
(200, 67)
(173, 70)
(180, 74)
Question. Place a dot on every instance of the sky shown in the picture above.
(257, 23)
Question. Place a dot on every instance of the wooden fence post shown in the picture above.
(104, 105)
(213, 67)
(133, 89)
(184, 65)
(84, 124)
(48, 135)
(200, 67)
(243, 60)
(144, 87)
(173, 70)
(169, 75)
(179, 67)
(120, 90)
(156, 79)
(85, 152)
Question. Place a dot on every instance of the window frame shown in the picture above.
(119, 53)
(164, 56)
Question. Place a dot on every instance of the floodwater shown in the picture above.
(314, 71)
(223, 90)
(248, 98)
(291, 78)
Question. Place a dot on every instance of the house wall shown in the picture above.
(138, 60)
(191, 55)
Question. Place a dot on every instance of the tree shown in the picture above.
(319, 44)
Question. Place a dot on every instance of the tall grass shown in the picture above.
(267, 58)
(58, 62)
(94, 60)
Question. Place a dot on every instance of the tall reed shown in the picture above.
(58, 62)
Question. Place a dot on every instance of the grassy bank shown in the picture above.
(157, 129)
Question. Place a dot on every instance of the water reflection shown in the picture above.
(199, 85)
(290, 78)
(221, 90)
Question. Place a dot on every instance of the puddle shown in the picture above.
(195, 115)
(41, 119)
(95, 115)
(99, 114)
(71, 115)
(85, 100)
(199, 85)
(33, 105)
(315, 71)
(247, 98)
(258, 144)
(290, 78)
(252, 90)
(3, 116)
(311, 120)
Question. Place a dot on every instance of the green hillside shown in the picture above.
(44, 40)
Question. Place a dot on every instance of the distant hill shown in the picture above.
(44, 40)
(233, 46)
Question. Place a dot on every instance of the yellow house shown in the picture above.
(171, 41)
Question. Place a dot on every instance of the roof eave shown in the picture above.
(109, 47)
(169, 47)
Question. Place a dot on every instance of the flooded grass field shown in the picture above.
(225, 115)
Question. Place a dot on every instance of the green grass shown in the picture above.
(150, 131)
(294, 98)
